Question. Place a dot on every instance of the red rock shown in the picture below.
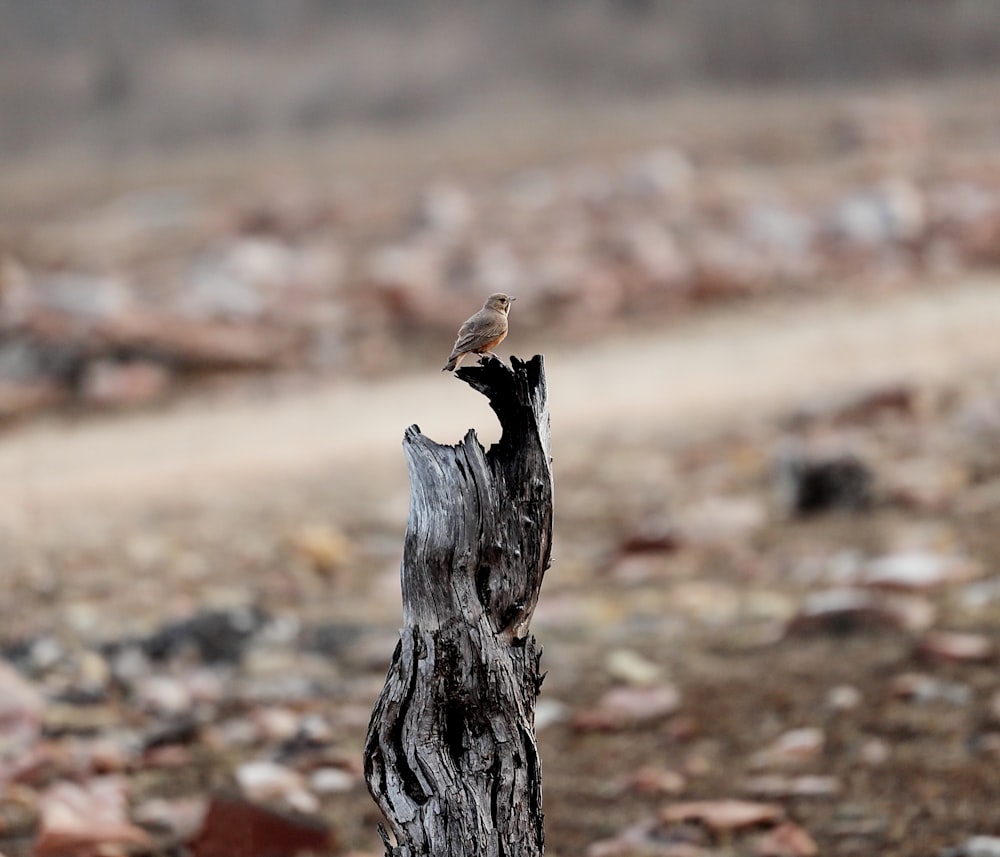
(624, 707)
(234, 827)
(106, 383)
(786, 840)
(83, 819)
(956, 647)
(724, 815)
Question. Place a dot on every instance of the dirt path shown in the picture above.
(713, 369)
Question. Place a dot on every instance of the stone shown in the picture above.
(18, 811)
(722, 816)
(955, 647)
(786, 840)
(180, 819)
(325, 547)
(218, 636)
(849, 610)
(22, 707)
(19, 399)
(110, 384)
(920, 687)
(917, 570)
(626, 707)
(650, 780)
(974, 846)
(233, 825)
(83, 818)
(721, 520)
(328, 781)
(163, 695)
(632, 668)
(843, 697)
(792, 748)
(263, 782)
(776, 786)
(808, 486)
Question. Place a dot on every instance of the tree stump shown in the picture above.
(450, 757)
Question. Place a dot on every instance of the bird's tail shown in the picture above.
(453, 361)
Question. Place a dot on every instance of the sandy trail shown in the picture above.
(713, 369)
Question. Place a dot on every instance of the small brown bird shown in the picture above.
(485, 330)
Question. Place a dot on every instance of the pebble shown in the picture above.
(724, 815)
(22, 707)
(921, 687)
(264, 781)
(651, 780)
(236, 826)
(632, 668)
(781, 786)
(843, 697)
(625, 707)
(181, 819)
(849, 609)
(327, 781)
(163, 695)
(87, 816)
(917, 570)
(793, 748)
(974, 846)
(955, 647)
(808, 486)
(110, 384)
(786, 840)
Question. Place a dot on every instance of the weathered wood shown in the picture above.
(451, 757)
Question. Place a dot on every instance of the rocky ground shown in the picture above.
(768, 630)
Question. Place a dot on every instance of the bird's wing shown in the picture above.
(477, 331)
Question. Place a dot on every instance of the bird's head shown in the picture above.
(499, 302)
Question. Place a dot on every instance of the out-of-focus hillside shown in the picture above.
(113, 77)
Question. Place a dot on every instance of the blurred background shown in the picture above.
(758, 245)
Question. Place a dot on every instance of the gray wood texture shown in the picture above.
(450, 757)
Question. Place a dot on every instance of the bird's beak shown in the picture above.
(512, 299)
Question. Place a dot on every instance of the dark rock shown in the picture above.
(182, 731)
(218, 636)
(333, 638)
(809, 486)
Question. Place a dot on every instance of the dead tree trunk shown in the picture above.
(451, 758)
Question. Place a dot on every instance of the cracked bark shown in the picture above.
(450, 757)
